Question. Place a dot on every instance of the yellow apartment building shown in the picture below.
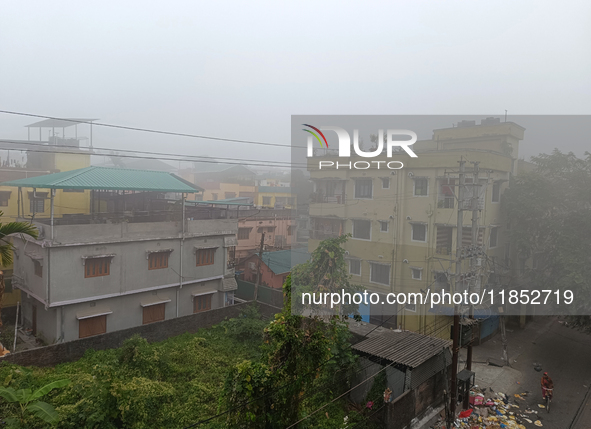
(221, 181)
(29, 204)
(403, 222)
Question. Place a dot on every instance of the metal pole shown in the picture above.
(52, 193)
(181, 255)
(15, 326)
(456, 328)
(473, 262)
(256, 286)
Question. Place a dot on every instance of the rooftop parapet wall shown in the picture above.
(111, 232)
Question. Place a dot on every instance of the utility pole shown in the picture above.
(456, 327)
(256, 286)
(474, 279)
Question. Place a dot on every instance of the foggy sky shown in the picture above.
(241, 69)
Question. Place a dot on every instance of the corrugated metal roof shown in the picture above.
(405, 348)
(104, 178)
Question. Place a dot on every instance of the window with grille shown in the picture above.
(37, 205)
(205, 257)
(419, 232)
(214, 197)
(153, 313)
(229, 195)
(417, 274)
(385, 183)
(362, 229)
(421, 187)
(384, 226)
(266, 201)
(446, 199)
(97, 267)
(363, 188)
(355, 267)
(202, 303)
(38, 268)
(243, 233)
(379, 273)
(158, 260)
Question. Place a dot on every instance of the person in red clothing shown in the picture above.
(547, 383)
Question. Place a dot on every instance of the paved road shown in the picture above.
(563, 352)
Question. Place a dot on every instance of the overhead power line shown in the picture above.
(161, 155)
(238, 161)
(146, 130)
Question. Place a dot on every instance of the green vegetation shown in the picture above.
(245, 371)
(6, 247)
(26, 402)
(550, 222)
(307, 362)
(170, 384)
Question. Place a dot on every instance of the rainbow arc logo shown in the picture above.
(316, 135)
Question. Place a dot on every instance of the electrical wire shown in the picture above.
(197, 158)
(147, 130)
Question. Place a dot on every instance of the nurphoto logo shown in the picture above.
(344, 149)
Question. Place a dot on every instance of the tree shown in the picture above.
(27, 402)
(549, 210)
(326, 271)
(300, 354)
(6, 247)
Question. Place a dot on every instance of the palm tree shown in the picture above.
(6, 247)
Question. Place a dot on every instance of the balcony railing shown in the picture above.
(336, 199)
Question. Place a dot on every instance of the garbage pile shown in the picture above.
(495, 410)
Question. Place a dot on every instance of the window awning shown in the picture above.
(35, 256)
(154, 300)
(149, 252)
(229, 284)
(209, 292)
(205, 247)
(84, 258)
(93, 312)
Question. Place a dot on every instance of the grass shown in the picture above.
(172, 383)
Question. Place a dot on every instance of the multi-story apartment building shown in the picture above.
(403, 222)
(140, 256)
(29, 158)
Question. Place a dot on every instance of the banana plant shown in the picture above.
(26, 401)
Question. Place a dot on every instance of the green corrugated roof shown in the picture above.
(227, 202)
(282, 261)
(106, 178)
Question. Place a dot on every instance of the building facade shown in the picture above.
(97, 278)
(17, 161)
(403, 222)
(278, 226)
(275, 197)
